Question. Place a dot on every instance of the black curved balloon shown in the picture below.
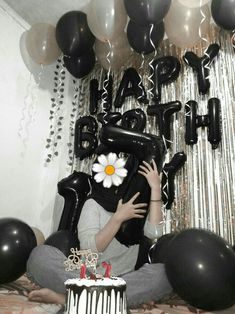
(134, 119)
(63, 240)
(223, 13)
(136, 89)
(201, 66)
(164, 70)
(80, 66)
(145, 12)
(82, 137)
(17, 240)
(168, 177)
(105, 94)
(158, 251)
(143, 39)
(73, 35)
(163, 113)
(143, 147)
(74, 190)
(200, 266)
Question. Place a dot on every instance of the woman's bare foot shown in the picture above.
(45, 295)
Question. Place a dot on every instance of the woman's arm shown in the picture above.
(155, 204)
(125, 211)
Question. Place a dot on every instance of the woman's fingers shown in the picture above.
(154, 165)
(147, 165)
(140, 205)
(134, 197)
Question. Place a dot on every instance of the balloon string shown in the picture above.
(187, 114)
(141, 80)
(150, 78)
(165, 141)
(204, 39)
(106, 82)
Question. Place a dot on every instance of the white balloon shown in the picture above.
(114, 55)
(106, 18)
(193, 3)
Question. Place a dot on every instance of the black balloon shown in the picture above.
(158, 251)
(83, 137)
(109, 117)
(143, 147)
(200, 266)
(223, 13)
(143, 39)
(211, 121)
(143, 255)
(134, 119)
(17, 240)
(74, 190)
(201, 66)
(168, 177)
(80, 66)
(136, 89)
(146, 12)
(163, 113)
(63, 240)
(73, 35)
(104, 94)
(164, 70)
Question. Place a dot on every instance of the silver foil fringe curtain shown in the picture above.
(205, 186)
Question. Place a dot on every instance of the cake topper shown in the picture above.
(81, 260)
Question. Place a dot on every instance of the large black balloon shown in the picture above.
(74, 189)
(140, 37)
(134, 119)
(158, 251)
(142, 146)
(80, 66)
(223, 13)
(73, 35)
(146, 12)
(200, 266)
(63, 240)
(17, 240)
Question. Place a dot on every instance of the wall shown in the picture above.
(27, 187)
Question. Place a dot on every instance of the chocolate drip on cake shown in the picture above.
(76, 291)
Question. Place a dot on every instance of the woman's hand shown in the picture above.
(151, 174)
(128, 210)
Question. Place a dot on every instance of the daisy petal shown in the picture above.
(99, 177)
(97, 167)
(103, 160)
(121, 172)
(116, 180)
(112, 157)
(120, 163)
(107, 182)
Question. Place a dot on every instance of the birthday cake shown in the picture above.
(93, 293)
(96, 296)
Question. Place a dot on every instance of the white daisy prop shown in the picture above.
(110, 170)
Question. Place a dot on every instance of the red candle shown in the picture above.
(83, 271)
(107, 267)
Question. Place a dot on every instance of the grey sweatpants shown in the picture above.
(46, 268)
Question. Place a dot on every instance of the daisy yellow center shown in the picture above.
(109, 170)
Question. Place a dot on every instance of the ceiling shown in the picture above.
(45, 11)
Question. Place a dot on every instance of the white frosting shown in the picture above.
(101, 296)
(113, 281)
